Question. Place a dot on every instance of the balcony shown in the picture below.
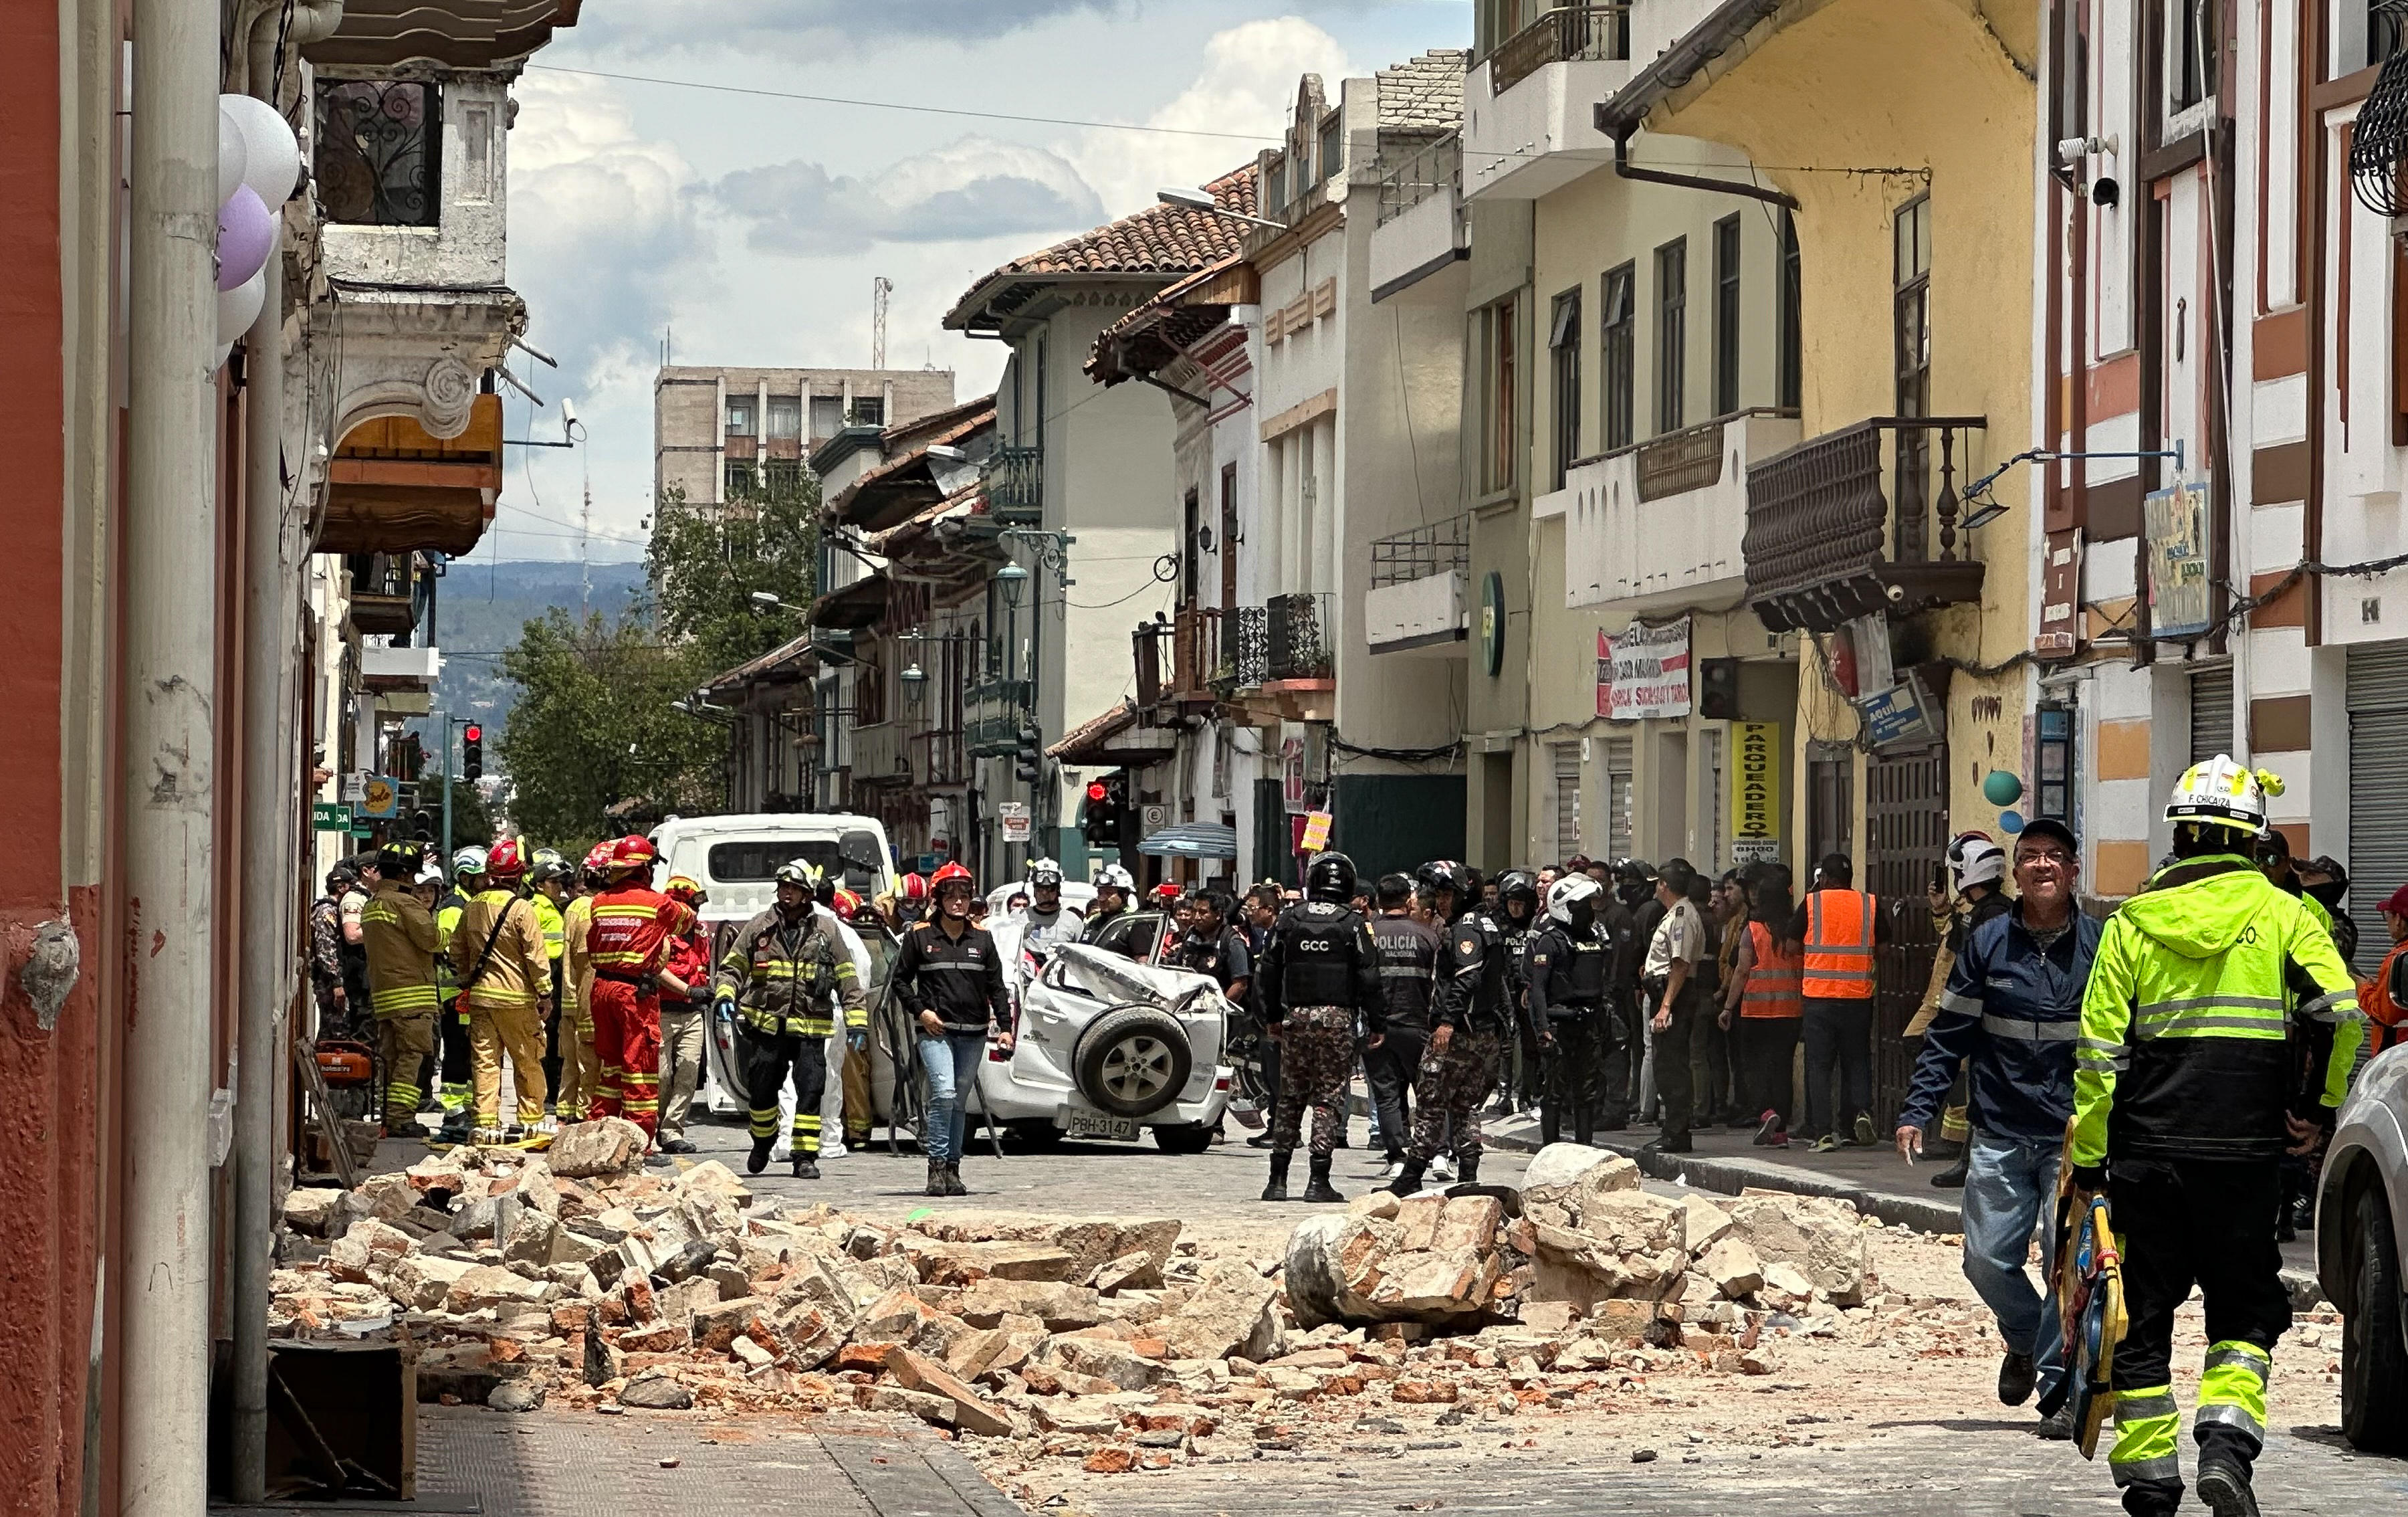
(1527, 107)
(882, 755)
(1177, 659)
(1423, 226)
(944, 758)
(394, 486)
(1826, 544)
(1015, 486)
(1661, 525)
(386, 589)
(992, 711)
(1278, 663)
(1419, 597)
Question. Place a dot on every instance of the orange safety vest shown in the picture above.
(1839, 958)
(1772, 982)
(2383, 1015)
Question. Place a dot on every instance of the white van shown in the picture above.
(737, 857)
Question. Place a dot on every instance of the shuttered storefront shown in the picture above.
(2211, 711)
(2378, 819)
(1617, 797)
(1566, 760)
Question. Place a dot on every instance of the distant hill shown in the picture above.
(479, 610)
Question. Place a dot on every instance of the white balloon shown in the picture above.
(271, 157)
(232, 156)
(239, 308)
(225, 351)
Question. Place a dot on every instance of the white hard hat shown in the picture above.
(1044, 872)
(2225, 793)
(1113, 877)
(431, 874)
(1975, 860)
(468, 861)
(1566, 892)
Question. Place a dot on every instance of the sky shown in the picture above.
(745, 228)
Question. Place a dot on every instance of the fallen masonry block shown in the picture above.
(609, 1147)
(1564, 1179)
(1733, 1267)
(928, 1408)
(655, 1393)
(941, 1262)
(970, 1411)
(316, 1212)
(1061, 1307)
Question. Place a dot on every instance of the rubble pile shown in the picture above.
(580, 1278)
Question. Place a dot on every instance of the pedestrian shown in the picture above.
(1469, 1012)
(684, 1008)
(1971, 888)
(504, 972)
(1633, 885)
(1835, 930)
(398, 940)
(1728, 922)
(782, 977)
(1408, 967)
(628, 943)
(2184, 1105)
(950, 978)
(2385, 997)
(1670, 979)
(2008, 1025)
(326, 956)
(1320, 971)
(1568, 967)
(548, 878)
(1262, 908)
(1764, 994)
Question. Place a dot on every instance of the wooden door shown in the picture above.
(1906, 824)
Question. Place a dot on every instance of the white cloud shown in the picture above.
(967, 190)
(1248, 84)
(708, 26)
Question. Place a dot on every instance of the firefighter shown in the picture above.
(683, 1006)
(627, 945)
(580, 1066)
(401, 941)
(1320, 971)
(457, 1087)
(547, 886)
(950, 978)
(782, 978)
(1470, 1012)
(2205, 987)
(497, 954)
(1113, 888)
(1580, 1033)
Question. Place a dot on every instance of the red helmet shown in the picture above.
(682, 887)
(848, 904)
(598, 857)
(504, 860)
(951, 873)
(633, 852)
(914, 887)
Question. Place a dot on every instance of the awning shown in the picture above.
(1192, 840)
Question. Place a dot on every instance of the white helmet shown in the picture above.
(2225, 793)
(1113, 877)
(431, 873)
(1568, 891)
(468, 861)
(1044, 872)
(1975, 860)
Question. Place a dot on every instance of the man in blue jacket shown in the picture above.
(2013, 1012)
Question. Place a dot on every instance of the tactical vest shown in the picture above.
(1317, 940)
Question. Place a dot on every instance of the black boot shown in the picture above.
(805, 1165)
(1467, 1168)
(954, 1185)
(759, 1160)
(1319, 1188)
(1551, 1123)
(1277, 1189)
(936, 1177)
(1409, 1182)
(2222, 1484)
(1952, 1178)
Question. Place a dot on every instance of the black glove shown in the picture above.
(2091, 1179)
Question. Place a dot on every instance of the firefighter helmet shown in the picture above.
(1044, 872)
(504, 862)
(682, 887)
(400, 859)
(1113, 877)
(2223, 793)
(914, 887)
(951, 874)
(469, 862)
(633, 854)
(848, 904)
(801, 872)
(1975, 860)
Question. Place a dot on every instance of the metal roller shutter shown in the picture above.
(2211, 711)
(1567, 757)
(2378, 826)
(1617, 797)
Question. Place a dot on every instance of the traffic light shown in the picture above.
(472, 752)
(1718, 689)
(1029, 756)
(1101, 820)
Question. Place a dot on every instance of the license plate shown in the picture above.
(1095, 1124)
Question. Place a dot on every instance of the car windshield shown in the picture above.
(752, 860)
(1134, 934)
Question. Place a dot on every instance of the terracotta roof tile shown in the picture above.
(1159, 240)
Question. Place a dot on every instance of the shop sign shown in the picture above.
(1643, 672)
(1755, 793)
(2176, 522)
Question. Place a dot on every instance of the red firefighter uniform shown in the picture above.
(629, 946)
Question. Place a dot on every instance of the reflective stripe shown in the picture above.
(2333, 1007)
(2130, 1408)
(952, 963)
(1838, 961)
(2146, 1422)
(1404, 971)
(2129, 1471)
(2087, 1059)
(2229, 1415)
(2100, 1045)
(2161, 1010)
(1968, 1005)
(2233, 1389)
(2191, 1025)
(2029, 1031)
(2247, 1355)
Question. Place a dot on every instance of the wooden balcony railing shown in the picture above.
(1826, 543)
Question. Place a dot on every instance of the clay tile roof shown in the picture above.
(1094, 729)
(1424, 93)
(1159, 240)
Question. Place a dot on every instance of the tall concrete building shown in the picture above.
(718, 432)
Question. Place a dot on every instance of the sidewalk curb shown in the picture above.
(1729, 1176)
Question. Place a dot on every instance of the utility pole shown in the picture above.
(444, 716)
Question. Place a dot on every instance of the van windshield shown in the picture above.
(752, 860)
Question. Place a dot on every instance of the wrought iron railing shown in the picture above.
(1818, 513)
(378, 153)
(1015, 485)
(1299, 631)
(1401, 558)
(992, 711)
(1563, 35)
(1434, 168)
(945, 757)
(1243, 658)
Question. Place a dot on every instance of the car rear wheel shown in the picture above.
(2373, 1359)
(1193, 1137)
(1133, 1061)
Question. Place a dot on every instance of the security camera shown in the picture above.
(568, 412)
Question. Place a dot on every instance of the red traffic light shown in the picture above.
(1096, 790)
(474, 733)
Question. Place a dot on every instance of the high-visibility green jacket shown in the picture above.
(788, 976)
(2207, 990)
(447, 922)
(546, 916)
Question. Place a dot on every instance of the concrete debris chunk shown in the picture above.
(611, 1145)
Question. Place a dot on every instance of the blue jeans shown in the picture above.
(952, 1062)
(2009, 1187)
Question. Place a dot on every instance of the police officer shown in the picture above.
(1568, 965)
(2204, 987)
(1469, 1012)
(1517, 918)
(1320, 971)
(782, 978)
(1630, 915)
(1408, 968)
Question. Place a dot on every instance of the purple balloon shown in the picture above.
(246, 233)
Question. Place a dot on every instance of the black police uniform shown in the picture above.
(1572, 999)
(1408, 967)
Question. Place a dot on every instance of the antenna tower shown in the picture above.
(878, 289)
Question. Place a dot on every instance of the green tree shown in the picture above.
(704, 565)
(593, 747)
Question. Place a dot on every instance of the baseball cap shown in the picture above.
(2049, 827)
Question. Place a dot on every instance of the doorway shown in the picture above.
(1906, 825)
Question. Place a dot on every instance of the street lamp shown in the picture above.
(1187, 199)
(915, 680)
(766, 600)
(1014, 579)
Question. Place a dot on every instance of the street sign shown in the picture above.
(1014, 816)
(330, 817)
(379, 798)
(1151, 819)
(355, 785)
